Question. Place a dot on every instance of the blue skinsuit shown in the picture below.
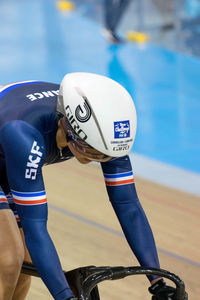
(28, 126)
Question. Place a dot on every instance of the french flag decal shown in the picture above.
(119, 179)
(34, 198)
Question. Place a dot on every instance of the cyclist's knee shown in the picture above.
(9, 274)
(11, 264)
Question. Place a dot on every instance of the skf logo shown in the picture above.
(33, 162)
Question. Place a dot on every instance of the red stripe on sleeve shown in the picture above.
(120, 182)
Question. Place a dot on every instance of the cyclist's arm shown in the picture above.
(24, 150)
(120, 186)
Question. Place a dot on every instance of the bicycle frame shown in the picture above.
(83, 281)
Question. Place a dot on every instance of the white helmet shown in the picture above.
(100, 111)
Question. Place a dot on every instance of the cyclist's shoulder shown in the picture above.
(30, 87)
(17, 130)
(27, 83)
(34, 102)
(15, 126)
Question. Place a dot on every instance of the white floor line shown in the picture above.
(165, 174)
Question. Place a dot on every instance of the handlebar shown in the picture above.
(95, 275)
(112, 273)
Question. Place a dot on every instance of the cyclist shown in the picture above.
(89, 117)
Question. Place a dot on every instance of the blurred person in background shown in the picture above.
(166, 10)
(113, 13)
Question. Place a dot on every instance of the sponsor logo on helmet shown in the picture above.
(121, 142)
(74, 124)
(124, 147)
(121, 129)
(83, 113)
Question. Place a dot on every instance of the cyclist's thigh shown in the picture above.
(7, 204)
(10, 241)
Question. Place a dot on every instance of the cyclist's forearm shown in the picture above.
(136, 228)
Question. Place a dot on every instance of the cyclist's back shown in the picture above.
(19, 100)
(32, 103)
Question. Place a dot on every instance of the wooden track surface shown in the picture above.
(79, 192)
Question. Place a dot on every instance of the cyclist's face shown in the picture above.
(82, 159)
(85, 153)
(80, 149)
(62, 142)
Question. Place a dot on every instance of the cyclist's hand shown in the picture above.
(161, 291)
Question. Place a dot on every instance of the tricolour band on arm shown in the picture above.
(3, 201)
(27, 198)
(3, 198)
(119, 178)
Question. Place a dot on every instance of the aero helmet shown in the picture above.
(100, 111)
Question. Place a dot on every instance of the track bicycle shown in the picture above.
(84, 281)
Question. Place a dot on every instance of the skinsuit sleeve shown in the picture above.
(24, 151)
(121, 190)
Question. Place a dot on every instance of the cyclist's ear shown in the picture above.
(61, 136)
